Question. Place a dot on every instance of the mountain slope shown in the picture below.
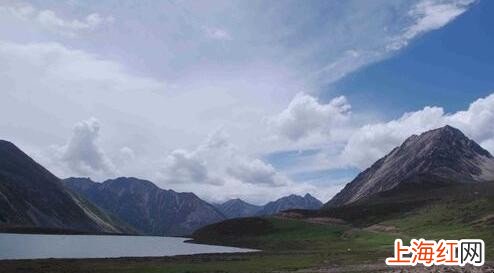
(32, 197)
(443, 155)
(236, 208)
(147, 208)
(290, 202)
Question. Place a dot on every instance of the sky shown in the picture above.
(239, 99)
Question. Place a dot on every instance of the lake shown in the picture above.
(28, 246)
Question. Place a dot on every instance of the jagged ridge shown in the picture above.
(146, 207)
(32, 197)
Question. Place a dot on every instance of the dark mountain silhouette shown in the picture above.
(236, 208)
(147, 208)
(33, 198)
(441, 156)
(291, 202)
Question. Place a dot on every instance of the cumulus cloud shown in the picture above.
(305, 115)
(66, 83)
(488, 145)
(187, 167)
(477, 120)
(373, 141)
(218, 170)
(429, 15)
(82, 155)
(256, 172)
(50, 20)
(217, 161)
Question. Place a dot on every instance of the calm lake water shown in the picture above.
(23, 246)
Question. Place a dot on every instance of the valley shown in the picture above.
(295, 242)
(247, 136)
(428, 202)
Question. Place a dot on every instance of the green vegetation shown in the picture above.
(290, 244)
(331, 242)
(451, 220)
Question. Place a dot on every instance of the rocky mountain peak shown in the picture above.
(31, 196)
(235, 208)
(308, 196)
(440, 141)
(291, 202)
(445, 154)
(146, 207)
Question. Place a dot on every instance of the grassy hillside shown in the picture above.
(298, 237)
(304, 239)
(438, 212)
(288, 245)
(466, 214)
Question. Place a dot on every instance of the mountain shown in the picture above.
(147, 208)
(33, 198)
(236, 208)
(440, 156)
(290, 202)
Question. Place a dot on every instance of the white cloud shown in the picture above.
(348, 62)
(488, 145)
(68, 85)
(22, 11)
(49, 20)
(477, 120)
(216, 33)
(373, 141)
(62, 67)
(429, 15)
(256, 171)
(217, 170)
(127, 154)
(82, 155)
(48, 86)
(216, 161)
(186, 167)
(305, 116)
(423, 17)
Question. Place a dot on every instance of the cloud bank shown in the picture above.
(217, 161)
(51, 21)
(369, 142)
(159, 88)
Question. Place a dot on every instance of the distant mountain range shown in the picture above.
(154, 211)
(34, 200)
(31, 196)
(439, 182)
(291, 202)
(147, 208)
(438, 157)
(236, 208)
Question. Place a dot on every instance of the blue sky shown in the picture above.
(239, 99)
(450, 67)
